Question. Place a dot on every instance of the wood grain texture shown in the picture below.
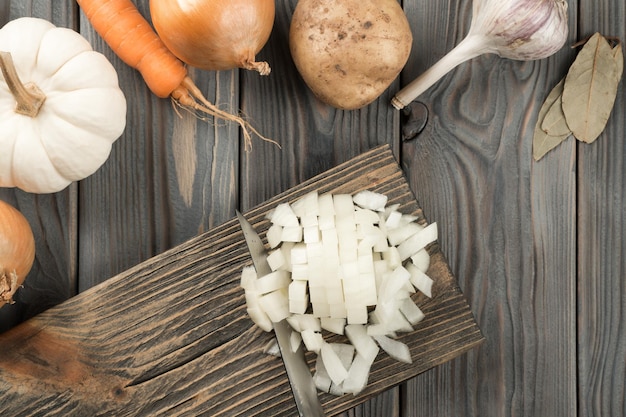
(509, 226)
(171, 336)
(52, 217)
(169, 177)
(536, 246)
(601, 250)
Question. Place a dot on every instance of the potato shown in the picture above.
(348, 52)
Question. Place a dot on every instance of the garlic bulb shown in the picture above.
(514, 29)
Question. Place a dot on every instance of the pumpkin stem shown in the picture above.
(29, 98)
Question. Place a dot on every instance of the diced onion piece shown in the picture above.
(315, 253)
(393, 220)
(283, 215)
(411, 311)
(274, 235)
(307, 322)
(418, 241)
(300, 272)
(420, 280)
(390, 208)
(392, 283)
(275, 304)
(326, 222)
(394, 348)
(338, 311)
(313, 340)
(248, 278)
(344, 206)
(260, 318)
(345, 351)
(376, 329)
(421, 260)
(273, 281)
(366, 216)
(336, 390)
(326, 205)
(295, 340)
(298, 297)
(291, 233)
(311, 234)
(276, 259)
(358, 374)
(370, 200)
(388, 314)
(364, 344)
(357, 314)
(297, 291)
(400, 234)
(393, 258)
(321, 309)
(309, 220)
(320, 377)
(333, 364)
(334, 325)
(298, 307)
(298, 254)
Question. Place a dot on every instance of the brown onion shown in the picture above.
(17, 251)
(215, 34)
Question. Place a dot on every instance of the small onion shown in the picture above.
(17, 251)
(215, 34)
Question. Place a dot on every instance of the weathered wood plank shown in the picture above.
(171, 336)
(601, 250)
(169, 177)
(508, 225)
(52, 216)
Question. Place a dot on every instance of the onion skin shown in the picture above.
(215, 34)
(17, 251)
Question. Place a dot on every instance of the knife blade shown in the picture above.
(298, 372)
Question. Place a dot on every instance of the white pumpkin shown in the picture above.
(83, 114)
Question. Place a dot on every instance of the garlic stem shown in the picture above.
(29, 98)
(470, 47)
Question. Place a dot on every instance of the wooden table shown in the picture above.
(536, 246)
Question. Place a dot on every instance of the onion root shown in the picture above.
(189, 97)
(8, 286)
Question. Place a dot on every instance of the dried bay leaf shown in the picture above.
(542, 140)
(618, 56)
(590, 89)
(554, 122)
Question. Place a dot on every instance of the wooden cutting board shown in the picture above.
(171, 335)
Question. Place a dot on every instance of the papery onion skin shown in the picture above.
(17, 251)
(215, 34)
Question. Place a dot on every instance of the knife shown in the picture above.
(298, 372)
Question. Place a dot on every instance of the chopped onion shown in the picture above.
(333, 365)
(344, 265)
(397, 350)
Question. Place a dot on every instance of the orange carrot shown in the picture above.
(132, 39)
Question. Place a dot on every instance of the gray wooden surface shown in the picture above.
(536, 246)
